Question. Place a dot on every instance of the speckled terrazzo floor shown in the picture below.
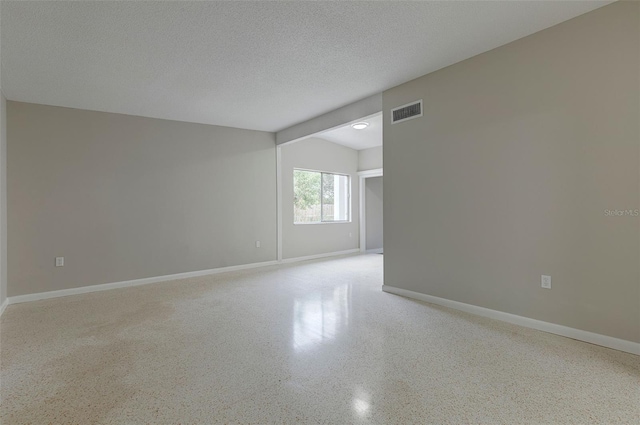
(314, 342)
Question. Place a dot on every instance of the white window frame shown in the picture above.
(322, 221)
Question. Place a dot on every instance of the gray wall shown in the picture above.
(373, 212)
(509, 173)
(123, 197)
(3, 198)
(370, 159)
(300, 240)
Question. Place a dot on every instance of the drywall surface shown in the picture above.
(516, 170)
(123, 197)
(3, 198)
(300, 240)
(353, 111)
(373, 212)
(370, 159)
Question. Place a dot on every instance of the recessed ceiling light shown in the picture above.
(360, 125)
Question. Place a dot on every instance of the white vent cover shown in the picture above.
(406, 112)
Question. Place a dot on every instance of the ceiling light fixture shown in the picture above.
(360, 125)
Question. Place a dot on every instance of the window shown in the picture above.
(320, 197)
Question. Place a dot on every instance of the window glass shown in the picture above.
(320, 197)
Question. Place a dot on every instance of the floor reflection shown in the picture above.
(361, 402)
(320, 316)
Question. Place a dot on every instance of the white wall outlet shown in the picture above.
(59, 261)
(350, 235)
(257, 244)
(546, 281)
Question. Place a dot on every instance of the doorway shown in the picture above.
(371, 218)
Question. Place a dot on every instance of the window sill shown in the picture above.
(323, 222)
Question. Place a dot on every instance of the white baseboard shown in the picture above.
(128, 283)
(374, 251)
(136, 282)
(316, 256)
(593, 338)
(4, 305)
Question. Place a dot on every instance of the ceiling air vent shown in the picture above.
(406, 112)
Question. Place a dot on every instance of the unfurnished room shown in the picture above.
(320, 212)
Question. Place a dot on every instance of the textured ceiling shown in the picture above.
(257, 65)
(356, 139)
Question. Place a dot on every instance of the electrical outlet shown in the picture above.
(350, 235)
(546, 282)
(257, 244)
(59, 261)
